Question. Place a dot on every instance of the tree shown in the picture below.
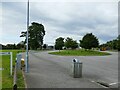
(35, 37)
(14, 46)
(118, 44)
(70, 43)
(59, 43)
(74, 45)
(21, 45)
(10, 46)
(113, 44)
(44, 46)
(109, 44)
(89, 41)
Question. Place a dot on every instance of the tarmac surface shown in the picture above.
(52, 71)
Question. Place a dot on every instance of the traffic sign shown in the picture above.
(4, 53)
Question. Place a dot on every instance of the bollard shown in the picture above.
(19, 56)
(15, 87)
(22, 62)
(77, 68)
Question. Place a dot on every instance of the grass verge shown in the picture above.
(20, 79)
(79, 53)
(7, 79)
(0, 72)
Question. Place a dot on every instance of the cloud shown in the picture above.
(13, 22)
(60, 0)
(67, 19)
(80, 19)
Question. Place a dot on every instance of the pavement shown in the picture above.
(51, 71)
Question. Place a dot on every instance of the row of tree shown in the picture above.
(13, 46)
(36, 33)
(22, 45)
(69, 43)
(88, 41)
(113, 44)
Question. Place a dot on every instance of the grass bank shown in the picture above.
(7, 79)
(79, 53)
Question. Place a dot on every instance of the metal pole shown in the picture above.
(27, 64)
(11, 63)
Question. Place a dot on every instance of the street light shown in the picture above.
(27, 58)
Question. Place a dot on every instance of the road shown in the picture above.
(52, 71)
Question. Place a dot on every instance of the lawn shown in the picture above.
(79, 53)
(7, 79)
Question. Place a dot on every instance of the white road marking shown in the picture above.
(92, 81)
(114, 83)
(98, 84)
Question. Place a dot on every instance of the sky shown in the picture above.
(65, 18)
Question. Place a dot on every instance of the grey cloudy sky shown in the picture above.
(66, 19)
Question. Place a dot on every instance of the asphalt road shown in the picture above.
(51, 71)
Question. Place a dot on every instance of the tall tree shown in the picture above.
(89, 41)
(21, 45)
(36, 33)
(44, 46)
(118, 44)
(70, 43)
(59, 43)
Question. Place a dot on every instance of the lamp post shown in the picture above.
(27, 57)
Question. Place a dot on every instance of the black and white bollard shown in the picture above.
(19, 56)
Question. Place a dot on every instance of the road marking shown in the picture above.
(114, 83)
(98, 84)
(92, 81)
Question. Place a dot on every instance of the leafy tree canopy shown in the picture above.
(35, 37)
(89, 41)
(118, 43)
(59, 43)
(70, 43)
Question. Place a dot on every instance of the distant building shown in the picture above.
(50, 47)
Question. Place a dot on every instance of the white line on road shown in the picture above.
(114, 83)
(98, 84)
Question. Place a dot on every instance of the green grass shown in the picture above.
(79, 53)
(7, 79)
(20, 81)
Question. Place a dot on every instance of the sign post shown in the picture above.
(11, 66)
(8, 53)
